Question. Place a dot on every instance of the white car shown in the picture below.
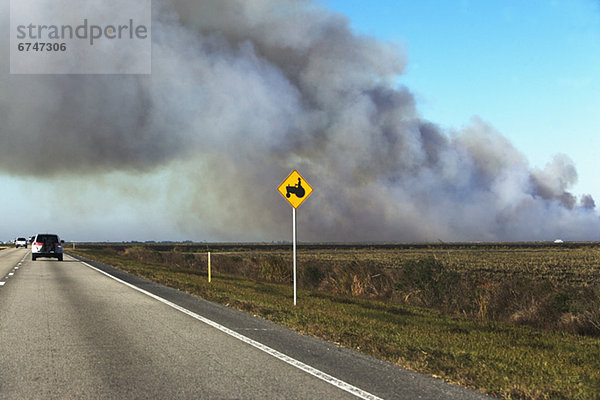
(21, 242)
(47, 245)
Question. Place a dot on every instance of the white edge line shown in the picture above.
(2, 283)
(298, 364)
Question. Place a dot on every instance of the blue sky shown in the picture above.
(529, 68)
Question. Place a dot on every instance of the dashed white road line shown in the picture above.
(15, 268)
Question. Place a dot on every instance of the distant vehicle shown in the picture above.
(21, 242)
(47, 245)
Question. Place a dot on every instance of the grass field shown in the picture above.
(513, 320)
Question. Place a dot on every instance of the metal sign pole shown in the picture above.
(294, 236)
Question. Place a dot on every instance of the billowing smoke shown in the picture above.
(241, 93)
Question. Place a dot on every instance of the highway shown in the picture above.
(68, 330)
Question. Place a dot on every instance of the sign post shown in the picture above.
(294, 246)
(295, 190)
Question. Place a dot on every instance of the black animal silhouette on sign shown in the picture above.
(298, 190)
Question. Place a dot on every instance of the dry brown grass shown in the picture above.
(548, 287)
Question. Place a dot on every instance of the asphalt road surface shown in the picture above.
(68, 330)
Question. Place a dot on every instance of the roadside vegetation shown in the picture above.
(515, 321)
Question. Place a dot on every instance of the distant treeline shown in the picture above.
(264, 246)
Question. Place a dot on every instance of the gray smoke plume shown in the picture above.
(241, 93)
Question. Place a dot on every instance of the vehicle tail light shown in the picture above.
(37, 243)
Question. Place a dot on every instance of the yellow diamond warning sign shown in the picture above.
(295, 189)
